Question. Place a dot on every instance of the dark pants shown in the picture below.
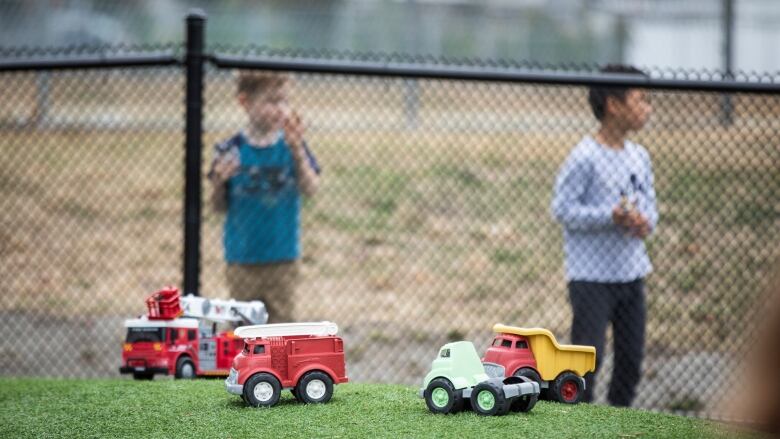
(595, 305)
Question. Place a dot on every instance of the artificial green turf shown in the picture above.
(32, 407)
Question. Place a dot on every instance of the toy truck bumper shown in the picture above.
(235, 389)
(511, 390)
(231, 383)
(154, 370)
(521, 389)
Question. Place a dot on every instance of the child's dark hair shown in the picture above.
(597, 95)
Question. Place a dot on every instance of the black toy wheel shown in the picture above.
(441, 397)
(185, 368)
(488, 399)
(526, 402)
(315, 387)
(568, 388)
(534, 375)
(262, 390)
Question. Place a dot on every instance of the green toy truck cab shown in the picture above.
(458, 375)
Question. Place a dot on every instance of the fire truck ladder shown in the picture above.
(224, 310)
(285, 329)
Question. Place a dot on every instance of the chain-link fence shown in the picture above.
(431, 223)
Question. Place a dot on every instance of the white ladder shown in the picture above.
(284, 329)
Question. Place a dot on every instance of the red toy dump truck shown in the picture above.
(534, 353)
(178, 336)
(306, 358)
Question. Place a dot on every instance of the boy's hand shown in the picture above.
(225, 168)
(620, 215)
(293, 133)
(636, 224)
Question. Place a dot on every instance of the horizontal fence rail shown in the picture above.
(90, 62)
(760, 84)
(765, 85)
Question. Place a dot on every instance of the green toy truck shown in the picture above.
(458, 375)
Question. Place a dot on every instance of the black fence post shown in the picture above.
(196, 23)
(727, 106)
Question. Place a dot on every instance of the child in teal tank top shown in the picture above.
(259, 176)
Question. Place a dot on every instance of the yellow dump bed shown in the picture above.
(551, 357)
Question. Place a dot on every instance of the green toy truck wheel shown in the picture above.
(441, 397)
(488, 399)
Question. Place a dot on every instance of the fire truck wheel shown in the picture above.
(441, 397)
(146, 376)
(534, 375)
(185, 368)
(568, 388)
(262, 390)
(315, 387)
(488, 399)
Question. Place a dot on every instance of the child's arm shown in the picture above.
(218, 195)
(305, 167)
(223, 167)
(567, 207)
(308, 178)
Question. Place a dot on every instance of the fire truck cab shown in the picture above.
(306, 358)
(180, 336)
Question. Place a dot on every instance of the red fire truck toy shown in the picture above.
(534, 353)
(179, 336)
(306, 358)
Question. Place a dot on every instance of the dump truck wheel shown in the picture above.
(526, 402)
(488, 399)
(185, 368)
(315, 387)
(568, 388)
(534, 375)
(262, 390)
(441, 397)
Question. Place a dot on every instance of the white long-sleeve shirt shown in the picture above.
(589, 185)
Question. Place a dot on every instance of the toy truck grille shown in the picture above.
(493, 370)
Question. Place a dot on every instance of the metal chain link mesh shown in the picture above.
(90, 210)
(431, 224)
